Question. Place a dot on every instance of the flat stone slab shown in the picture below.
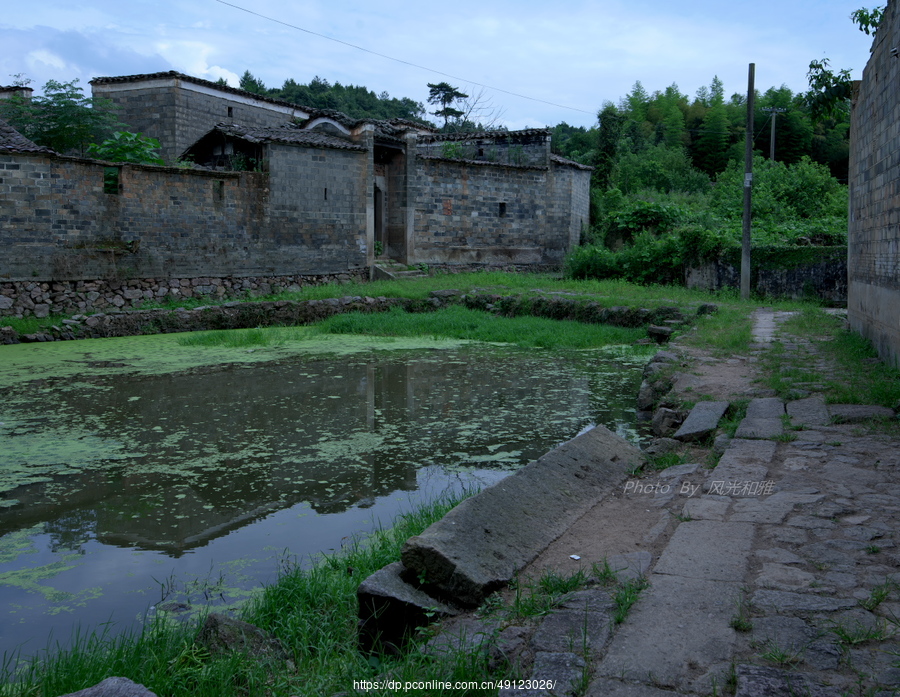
(708, 550)
(759, 428)
(607, 687)
(809, 412)
(762, 681)
(678, 627)
(631, 565)
(743, 465)
(480, 545)
(706, 508)
(788, 601)
(702, 421)
(771, 509)
(854, 413)
(765, 408)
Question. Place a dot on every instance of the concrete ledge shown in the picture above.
(481, 544)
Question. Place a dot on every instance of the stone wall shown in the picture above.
(59, 221)
(874, 232)
(823, 279)
(491, 214)
(41, 299)
(178, 112)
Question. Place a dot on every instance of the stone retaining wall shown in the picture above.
(241, 315)
(41, 299)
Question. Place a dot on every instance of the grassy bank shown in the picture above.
(313, 612)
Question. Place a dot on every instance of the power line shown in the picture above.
(399, 60)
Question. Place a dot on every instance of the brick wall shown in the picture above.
(468, 213)
(874, 225)
(57, 222)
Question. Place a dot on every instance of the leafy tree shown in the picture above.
(127, 147)
(445, 95)
(608, 135)
(829, 93)
(62, 119)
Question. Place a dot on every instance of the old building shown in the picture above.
(874, 222)
(255, 187)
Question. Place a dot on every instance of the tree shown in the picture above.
(829, 93)
(62, 119)
(445, 95)
(128, 147)
(250, 83)
(608, 135)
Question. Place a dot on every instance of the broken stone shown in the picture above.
(113, 687)
(221, 634)
(390, 609)
(702, 421)
(855, 413)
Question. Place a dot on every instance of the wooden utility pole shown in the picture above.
(774, 111)
(748, 184)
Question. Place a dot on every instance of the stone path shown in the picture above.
(782, 576)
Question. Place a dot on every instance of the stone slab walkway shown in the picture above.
(782, 576)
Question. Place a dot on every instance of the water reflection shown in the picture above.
(169, 464)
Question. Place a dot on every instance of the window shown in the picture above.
(502, 211)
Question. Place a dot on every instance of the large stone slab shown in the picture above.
(808, 412)
(765, 408)
(481, 544)
(702, 421)
(678, 628)
(759, 428)
(855, 413)
(709, 550)
(764, 681)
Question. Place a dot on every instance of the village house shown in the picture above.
(257, 188)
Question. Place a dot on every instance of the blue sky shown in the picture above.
(576, 55)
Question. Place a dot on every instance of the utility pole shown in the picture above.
(773, 111)
(748, 183)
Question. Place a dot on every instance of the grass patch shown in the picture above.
(726, 332)
(312, 611)
(735, 413)
(858, 376)
(462, 323)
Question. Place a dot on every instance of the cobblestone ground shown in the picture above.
(778, 573)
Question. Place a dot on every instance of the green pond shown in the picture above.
(140, 475)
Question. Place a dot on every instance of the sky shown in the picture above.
(534, 64)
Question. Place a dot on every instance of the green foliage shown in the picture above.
(62, 119)
(127, 147)
(791, 203)
(356, 101)
(445, 95)
(661, 168)
(829, 93)
(867, 20)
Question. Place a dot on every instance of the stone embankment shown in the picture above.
(45, 298)
(241, 315)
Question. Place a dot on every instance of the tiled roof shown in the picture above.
(480, 163)
(174, 74)
(13, 141)
(485, 135)
(557, 159)
(286, 134)
(390, 127)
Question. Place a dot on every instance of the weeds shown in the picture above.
(878, 595)
(779, 655)
(627, 595)
(858, 633)
(741, 622)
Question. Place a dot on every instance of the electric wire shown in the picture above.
(400, 60)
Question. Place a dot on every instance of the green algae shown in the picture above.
(166, 353)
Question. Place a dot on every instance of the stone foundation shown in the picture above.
(43, 298)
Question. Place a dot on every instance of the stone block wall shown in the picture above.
(874, 225)
(318, 201)
(470, 213)
(178, 112)
(57, 222)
